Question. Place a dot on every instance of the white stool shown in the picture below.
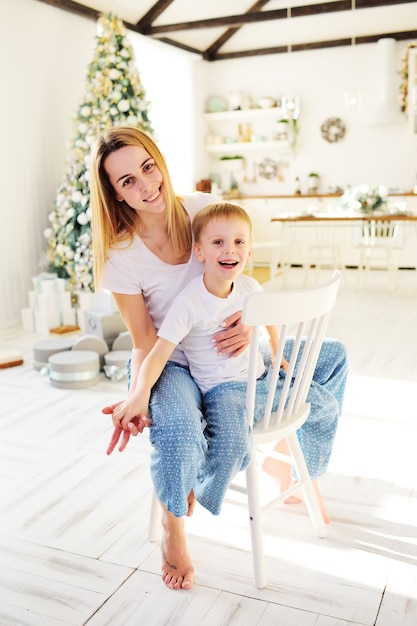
(273, 250)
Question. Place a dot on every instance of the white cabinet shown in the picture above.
(412, 90)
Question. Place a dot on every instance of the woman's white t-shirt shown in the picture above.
(133, 269)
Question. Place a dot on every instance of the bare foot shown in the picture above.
(282, 473)
(177, 567)
(191, 503)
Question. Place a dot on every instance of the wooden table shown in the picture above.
(334, 239)
(345, 217)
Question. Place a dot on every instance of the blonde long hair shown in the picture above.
(114, 222)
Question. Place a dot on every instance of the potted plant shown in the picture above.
(313, 182)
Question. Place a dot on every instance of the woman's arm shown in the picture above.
(140, 326)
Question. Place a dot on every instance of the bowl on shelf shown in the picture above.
(267, 102)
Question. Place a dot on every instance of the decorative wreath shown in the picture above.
(268, 169)
(333, 129)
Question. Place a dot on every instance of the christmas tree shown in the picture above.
(114, 96)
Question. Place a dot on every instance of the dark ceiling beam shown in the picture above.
(210, 52)
(80, 9)
(153, 13)
(368, 4)
(262, 16)
(216, 22)
(315, 45)
(73, 7)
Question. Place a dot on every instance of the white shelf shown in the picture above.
(247, 114)
(249, 146)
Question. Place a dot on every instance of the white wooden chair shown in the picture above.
(324, 250)
(377, 243)
(306, 312)
(273, 253)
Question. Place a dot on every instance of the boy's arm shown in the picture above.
(136, 405)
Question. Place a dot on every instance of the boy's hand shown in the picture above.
(134, 427)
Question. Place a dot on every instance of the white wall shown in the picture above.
(383, 154)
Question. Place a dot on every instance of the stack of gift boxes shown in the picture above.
(50, 305)
(102, 342)
(51, 308)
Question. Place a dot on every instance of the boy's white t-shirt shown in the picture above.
(133, 269)
(194, 317)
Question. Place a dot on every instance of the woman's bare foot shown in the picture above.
(281, 471)
(177, 567)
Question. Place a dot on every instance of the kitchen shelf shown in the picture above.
(244, 115)
(248, 146)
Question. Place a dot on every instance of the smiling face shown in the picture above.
(224, 247)
(136, 179)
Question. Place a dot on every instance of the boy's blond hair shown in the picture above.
(218, 209)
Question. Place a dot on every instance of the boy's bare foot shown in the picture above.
(177, 567)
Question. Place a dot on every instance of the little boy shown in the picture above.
(223, 240)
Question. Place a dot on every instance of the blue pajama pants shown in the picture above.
(188, 456)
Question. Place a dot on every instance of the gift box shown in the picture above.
(123, 342)
(106, 302)
(115, 366)
(92, 343)
(50, 305)
(45, 348)
(102, 324)
(75, 369)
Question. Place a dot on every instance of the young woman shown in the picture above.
(142, 243)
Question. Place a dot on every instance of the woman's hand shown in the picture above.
(235, 337)
(133, 427)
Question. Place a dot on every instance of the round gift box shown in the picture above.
(92, 343)
(74, 369)
(118, 358)
(123, 342)
(45, 348)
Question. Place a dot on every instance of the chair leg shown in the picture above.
(255, 520)
(154, 519)
(312, 504)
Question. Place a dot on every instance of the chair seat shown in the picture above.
(275, 432)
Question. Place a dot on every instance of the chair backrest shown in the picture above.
(377, 232)
(304, 314)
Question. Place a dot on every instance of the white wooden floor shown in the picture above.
(73, 521)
